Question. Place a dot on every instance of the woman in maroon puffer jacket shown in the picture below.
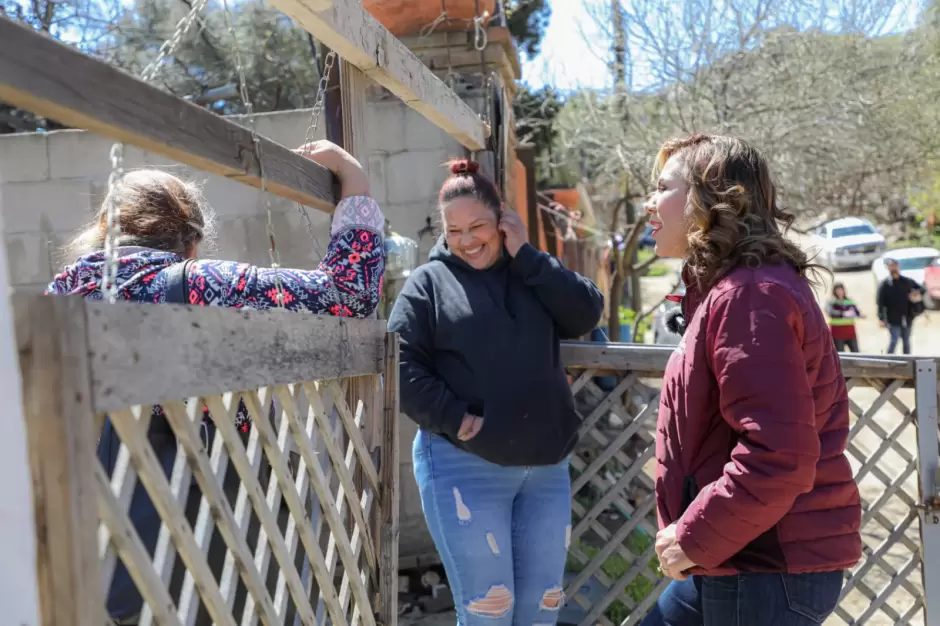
(758, 510)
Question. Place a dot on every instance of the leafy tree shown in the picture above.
(535, 111)
(527, 21)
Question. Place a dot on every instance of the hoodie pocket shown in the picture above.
(689, 492)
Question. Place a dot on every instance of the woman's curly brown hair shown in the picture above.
(732, 206)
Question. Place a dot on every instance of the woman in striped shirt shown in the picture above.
(842, 314)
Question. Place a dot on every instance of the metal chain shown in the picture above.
(169, 46)
(311, 129)
(273, 254)
(112, 225)
(113, 211)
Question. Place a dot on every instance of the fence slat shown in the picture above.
(151, 475)
(388, 463)
(133, 554)
(59, 82)
(295, 505)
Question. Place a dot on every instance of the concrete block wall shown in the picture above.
(53, 183)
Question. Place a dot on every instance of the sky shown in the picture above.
(568, 61)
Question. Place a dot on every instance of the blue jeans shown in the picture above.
(501, 532)
(748, 600)
(899, 332)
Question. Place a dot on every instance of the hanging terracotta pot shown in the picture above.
(406, 18)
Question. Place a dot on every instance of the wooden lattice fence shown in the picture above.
(293, 521)
(612, 576)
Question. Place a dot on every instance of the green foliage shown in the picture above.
(527, 21)
(628, 318)
(277, 57)
(535, 111)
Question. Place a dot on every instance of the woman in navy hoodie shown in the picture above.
(480, 326)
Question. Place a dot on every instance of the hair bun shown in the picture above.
(463, 166)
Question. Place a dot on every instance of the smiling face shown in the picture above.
(472, 232)
(667, 209)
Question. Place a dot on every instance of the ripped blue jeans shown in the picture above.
(502, 532)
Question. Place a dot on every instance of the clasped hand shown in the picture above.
(673, 561)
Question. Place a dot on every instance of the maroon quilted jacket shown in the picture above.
(752, 428)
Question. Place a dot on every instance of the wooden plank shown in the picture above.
(54, 80)
(361, 40)
(53, 354)
(353, 89)
(214, 350)
(391, 497)
(19, 581)
(653, 358)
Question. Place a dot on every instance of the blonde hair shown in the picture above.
(157, 210)
(732, 205)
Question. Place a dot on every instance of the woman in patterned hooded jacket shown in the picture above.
(163, 223)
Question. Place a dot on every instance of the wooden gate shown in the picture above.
(312, 483)
(893, 447)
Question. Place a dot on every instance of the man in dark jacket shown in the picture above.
(898, 304)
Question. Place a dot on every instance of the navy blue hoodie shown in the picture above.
(486, 342)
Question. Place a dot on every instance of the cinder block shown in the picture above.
(415, 177)
(422, 134)
(231, 199)
(229, 243)
(287, 128)
(385, 124)
(64, 204)
(378, 181)
(29, 257)
(79, 154)
(24, 157)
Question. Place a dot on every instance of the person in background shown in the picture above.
(900, 300)
(482, 376)
(758, 509)
(842, 314)
(164, 222)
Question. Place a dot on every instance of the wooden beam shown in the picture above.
(56, 81)
(214, 350)
(361, 40)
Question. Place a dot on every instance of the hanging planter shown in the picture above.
(406, 18)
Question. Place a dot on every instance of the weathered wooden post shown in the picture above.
(19, 593)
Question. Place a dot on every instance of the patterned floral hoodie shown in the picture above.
(347, 283)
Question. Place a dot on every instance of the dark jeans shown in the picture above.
(748, 600)
(850, 344)
(899, 332)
